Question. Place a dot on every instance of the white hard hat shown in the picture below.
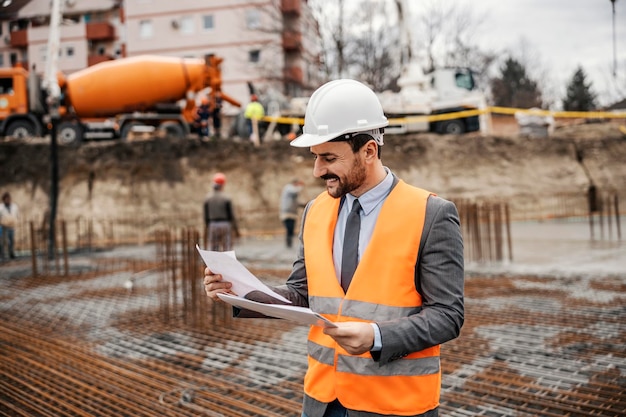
(340, 107)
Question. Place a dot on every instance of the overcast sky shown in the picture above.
(563, 33)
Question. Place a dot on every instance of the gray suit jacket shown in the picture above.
(439, 278)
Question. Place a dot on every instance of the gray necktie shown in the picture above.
(350, 257)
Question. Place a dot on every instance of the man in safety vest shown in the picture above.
(380, 258)
(253, 113)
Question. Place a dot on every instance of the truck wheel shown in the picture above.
(69, 133)
(452, 127)
(127, 130)
(172, 130)
(21, 129)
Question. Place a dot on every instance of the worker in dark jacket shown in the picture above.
(219, 216)
(216, 108)
(203, 113)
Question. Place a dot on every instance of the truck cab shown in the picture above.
(441, 92)
(452, 82)
(20, 103)
(454, 90)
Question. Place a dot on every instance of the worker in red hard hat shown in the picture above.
(219, 216)
(219, 179)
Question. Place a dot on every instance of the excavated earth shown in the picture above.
(157, 177)
(122, 335)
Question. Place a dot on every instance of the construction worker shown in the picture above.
(289, 205)
(219, 216)
(216, 109)
(9, 216)
(380, 258)
(253, 113)
(203, 113)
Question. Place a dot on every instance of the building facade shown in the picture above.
(271, 46)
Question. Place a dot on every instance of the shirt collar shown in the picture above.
(373, 197)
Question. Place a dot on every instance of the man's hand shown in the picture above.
(355, 337)
(213, 284)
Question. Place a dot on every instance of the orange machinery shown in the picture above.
(117, 96)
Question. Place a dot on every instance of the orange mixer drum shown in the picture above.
(133, 84)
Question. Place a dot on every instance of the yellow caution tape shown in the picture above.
(437, 117)
(284, 120)
(477, 112)
(560, 114)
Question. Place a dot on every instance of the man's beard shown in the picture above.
(354, 179)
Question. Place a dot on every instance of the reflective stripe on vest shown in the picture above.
(359, 309)
(406, 386)
(366, 366)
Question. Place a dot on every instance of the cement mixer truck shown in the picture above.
(112, 99)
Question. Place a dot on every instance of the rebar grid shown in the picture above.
(92, 346)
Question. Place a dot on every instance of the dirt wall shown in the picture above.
(165, 177)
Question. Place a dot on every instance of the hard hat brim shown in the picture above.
(306, 140)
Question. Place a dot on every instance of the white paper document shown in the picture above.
(244, 281)
(300, 315)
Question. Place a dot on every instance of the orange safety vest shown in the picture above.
(407, 386)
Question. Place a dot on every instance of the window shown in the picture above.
(71, 18)
(254, 55)
(1, 59)
(253, 19)
(6, 85)
(464, 80)
(69, 51)
(145, 29)
(186, 24)
(207, 22)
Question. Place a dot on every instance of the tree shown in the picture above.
(445, 35)
(372, 49)
(370, 46)
(579, 96)
(432, 23)
(529, 57)
(331, 21)
(514, 88)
